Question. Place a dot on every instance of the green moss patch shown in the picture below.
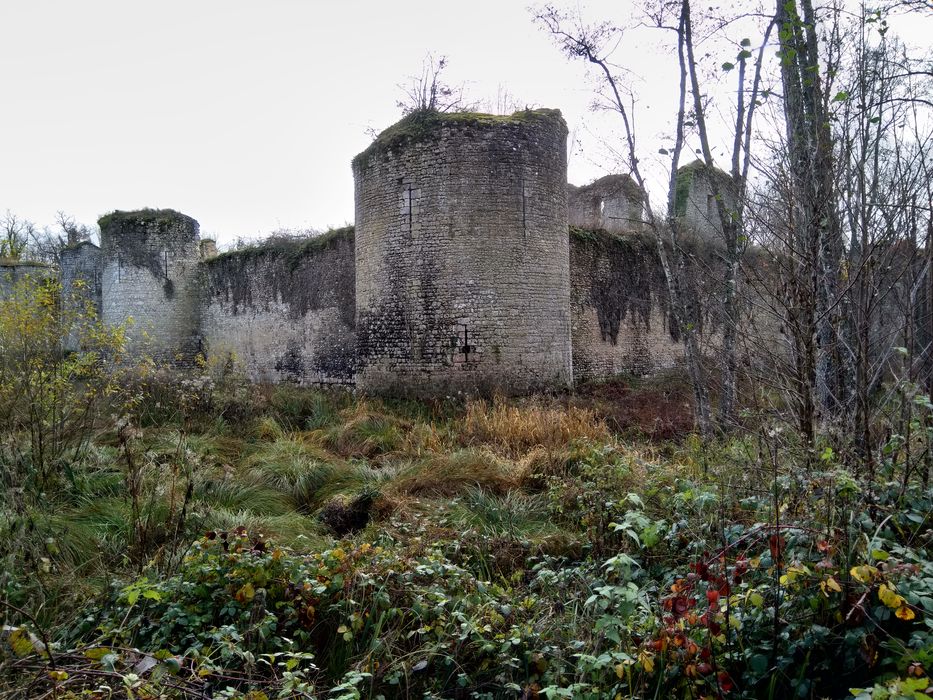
(163, 217)
(292, 249)
(419, 125)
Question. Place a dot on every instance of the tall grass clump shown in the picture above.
(513, 429)
(366, 431)
(295, 467)
(455, 473)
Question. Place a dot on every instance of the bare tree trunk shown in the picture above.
(583, 44)
(812, 174)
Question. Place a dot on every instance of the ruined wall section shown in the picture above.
(462, 255)
(149, 274)
(614, 203)
(620, 307)
(622, 320)
(14, 272)
(285, 310)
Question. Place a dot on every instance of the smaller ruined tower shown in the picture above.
(149, 274)
(80, 269)
(614, 203)
(696, 203)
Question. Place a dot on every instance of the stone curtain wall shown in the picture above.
(14, 271)
(149, 273)
(619, 307)
(462, 255)
(285, 310)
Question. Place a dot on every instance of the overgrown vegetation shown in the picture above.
(218, 539)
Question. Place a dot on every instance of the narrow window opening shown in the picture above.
(524, 211)
(410, 212)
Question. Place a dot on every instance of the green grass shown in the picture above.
(506, 544)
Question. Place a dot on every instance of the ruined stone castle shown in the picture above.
(472, 266)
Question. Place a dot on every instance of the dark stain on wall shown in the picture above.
(304, 274)
(137, 238)
(622, 277)
(286, 308)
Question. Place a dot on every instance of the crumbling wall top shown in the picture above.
(422, 124)
(614, 202)
(160, 220)
(293, 249)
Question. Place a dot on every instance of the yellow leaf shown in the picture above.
(905, 613)
(246, 593)
(21, 643)
(647, 662)
(889, 597)
(833, 585)
(864, 573)
(620, 670)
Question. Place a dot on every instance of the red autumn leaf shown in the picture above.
(725, 682)
(776, 545)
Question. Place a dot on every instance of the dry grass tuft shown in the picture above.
(451, 474)
(514, 430)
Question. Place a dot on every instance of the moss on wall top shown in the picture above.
(144, 216)
(292, 271)
(292, 249)
(418, 125)
(16, 262)
(81, 244)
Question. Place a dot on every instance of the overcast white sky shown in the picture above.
(244, 114)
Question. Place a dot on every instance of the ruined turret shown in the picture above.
(81, 267)
(149, 274)
(695, 202)
(462, 254)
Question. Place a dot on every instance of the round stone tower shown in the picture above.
(462, 255)
(149, 274)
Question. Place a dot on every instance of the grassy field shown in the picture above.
(259, 543)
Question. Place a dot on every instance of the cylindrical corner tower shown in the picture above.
(462, 255)
(149, 274)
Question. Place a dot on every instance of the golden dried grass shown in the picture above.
(514, 430)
